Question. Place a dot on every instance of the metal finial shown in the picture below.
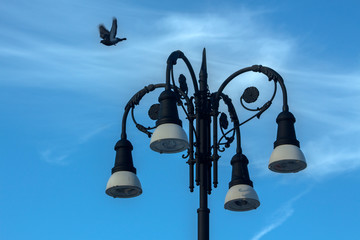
(203, 73)
(203, 70)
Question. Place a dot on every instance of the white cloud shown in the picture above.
(60, 155)
(285, 214)
(280, 216)
(331, 154)
(49, 156)
(93, 132)
(227, 36)
(78, 61)
(328, 114)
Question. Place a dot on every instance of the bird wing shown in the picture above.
(104, 33)
(113, 29)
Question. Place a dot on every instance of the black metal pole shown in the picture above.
(203, 152)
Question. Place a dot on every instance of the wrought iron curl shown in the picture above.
(276, 77)
(152, 112)
(250, 95)
(135, 100)
(221, 149)
(186, 155)
(139, 126)
(224, 124)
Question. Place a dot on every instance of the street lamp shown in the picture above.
(202, 143)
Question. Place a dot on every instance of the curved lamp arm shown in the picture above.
(171, 61)
(234, 118)
(136, 98)
(270, 73)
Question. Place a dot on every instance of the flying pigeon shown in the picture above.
(109, 38)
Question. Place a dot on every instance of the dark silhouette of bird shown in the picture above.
(109, 38)
(183, 85)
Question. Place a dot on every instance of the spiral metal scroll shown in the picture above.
(224, 123)
(135, 100)
(250, 95)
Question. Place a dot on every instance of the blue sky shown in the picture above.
(62, 96)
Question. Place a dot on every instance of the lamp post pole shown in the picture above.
(203, 144)
(204, 151)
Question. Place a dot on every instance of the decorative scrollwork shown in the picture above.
(186, 155)
(221, 149)
(144, 129)
(250, 94)
(139, 126)
(263, 109)
(271, 74)
(135, 100)
(229, 140)
(183, 84)
(224, 123)
(154, 111)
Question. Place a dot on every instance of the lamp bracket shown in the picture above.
(183, 99)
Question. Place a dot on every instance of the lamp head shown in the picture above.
(287, 156)
(169, 136)
(123, 182)
(241, 195)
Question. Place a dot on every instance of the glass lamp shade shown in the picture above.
(241, 197)
(123, 184)
(169, 138)
(287, 158)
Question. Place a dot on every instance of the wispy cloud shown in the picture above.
(329, 115)
(92, 133)
(332, 154)
(60, 156)
(228, 35)
(284, 214)
(49, 156)
(279, 216)
(63, 57)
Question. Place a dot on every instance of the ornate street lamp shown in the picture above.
(203, 143)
